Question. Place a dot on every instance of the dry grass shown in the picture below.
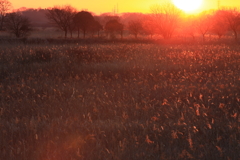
(119, 101)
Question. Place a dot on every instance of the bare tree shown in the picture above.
(203, 23)
(232, 17)
(188, 26)
(61, 17)
(135, 27)
(18, 25)
(83, 20)
(5, 6)
(114, 26)
(148, 26)
(166, 17)
(219, 26)
(71, 27)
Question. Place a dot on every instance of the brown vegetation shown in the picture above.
(119, 101)
(115, 99)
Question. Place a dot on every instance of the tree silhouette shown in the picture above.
(203, 24)
(188, 26)
(107, 17)
(135, 27)
(71, 27)
(96, 27)
(166, 17)
(18, 25)
(83, 21)
(61, 17)
(148, 26)
(232, 18)
(219, 26)
(114, 26)
(5, 5)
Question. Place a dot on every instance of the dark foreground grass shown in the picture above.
(119, 101)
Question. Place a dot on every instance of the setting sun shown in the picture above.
(188, 5)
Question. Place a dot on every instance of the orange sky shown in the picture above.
(99, 6)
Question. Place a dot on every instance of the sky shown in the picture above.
(103, 6)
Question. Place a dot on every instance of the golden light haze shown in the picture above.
(98, 6)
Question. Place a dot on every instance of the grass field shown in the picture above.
(115, 101)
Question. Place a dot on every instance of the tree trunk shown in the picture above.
(203, 36)
(1, 24)
(193, 37)
(84, 33)
(66, 33)
(235, 34)
(71, 33)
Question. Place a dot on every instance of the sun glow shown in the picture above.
(188, 5)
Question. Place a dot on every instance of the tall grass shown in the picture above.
(119, 101)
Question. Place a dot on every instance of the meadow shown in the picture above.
(115, 101)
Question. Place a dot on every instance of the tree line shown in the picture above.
(165, 20)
